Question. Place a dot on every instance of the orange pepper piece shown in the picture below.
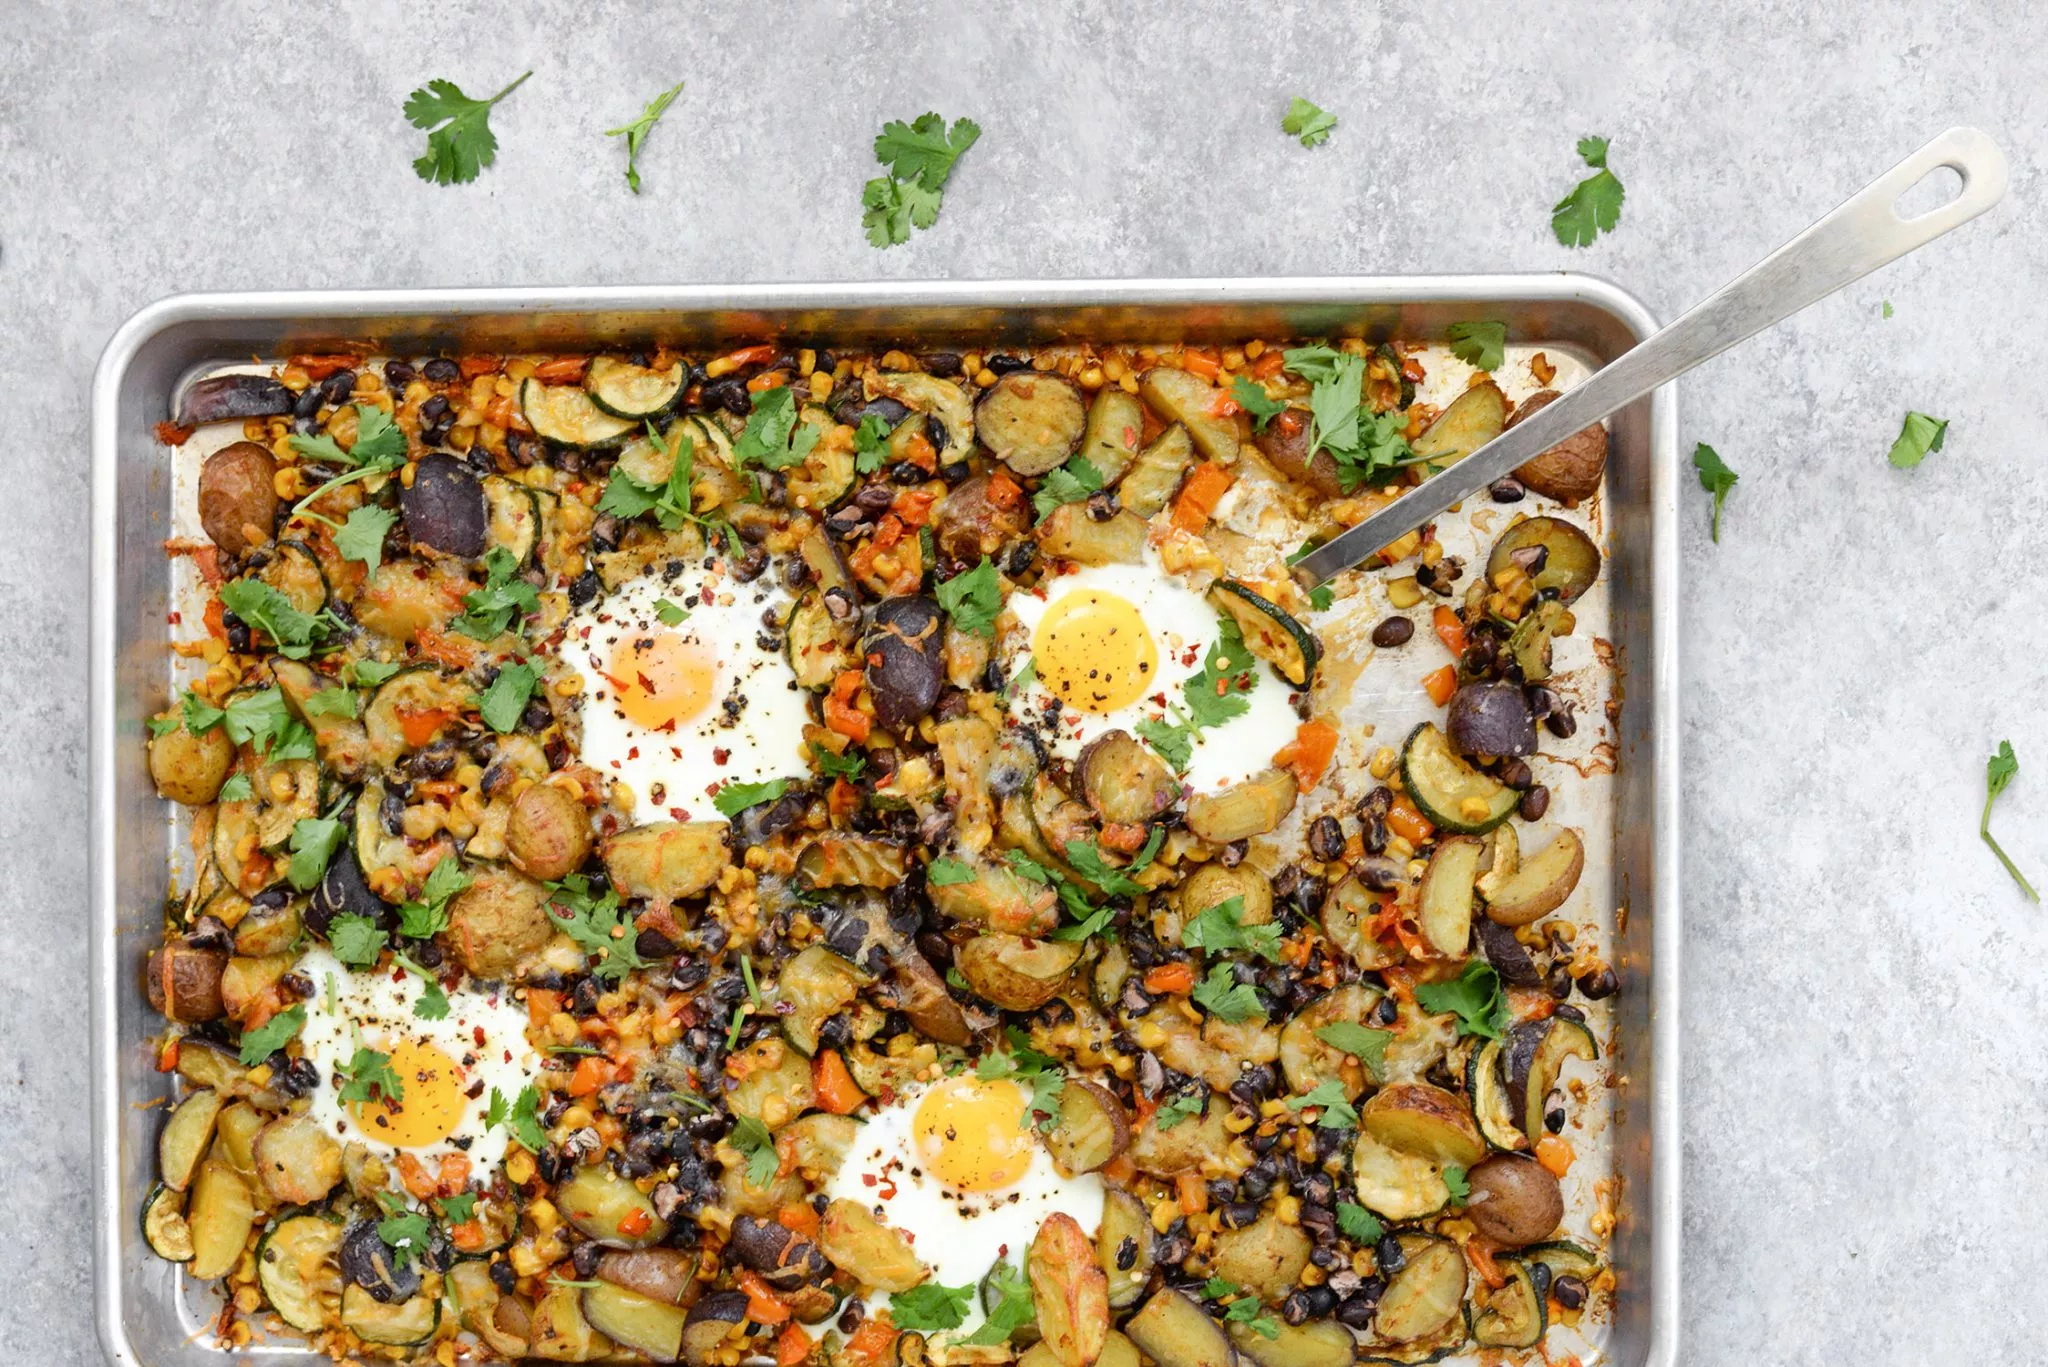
(1440, 684)
(1203, 490)
(1176, 977)
(562, 370)
(1554, 1154)
(763, 1305)
(1309, 754)
(792, 1346)
(1450, 629)
(840, 713)
(836, 1090)
(1412, 826)
(592, 1072)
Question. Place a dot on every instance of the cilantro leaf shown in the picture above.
(370, 673)
(1716, 478)
(671, 615)
(406, 1235)
(944, 873)
(852, 764)
(1337, 1111)
(1474, 997)
(1594, 205)
(370, 1077)
(1999, 771)
(766, 439)
(626, 498)
(1918, 436)
(891, 207)
(1215, 695)
(521, 1117)
(314, 841)
(330, 702)
(925, 150)
(1369, 1046)
(751, 1138)
(429, 915)
(504, 596)
(432, 1002)
(200, 715)
(1221, 994)
(1359, 1224)
(266, 1039)
(379, 445)
(236, 789)
(1245, 1309)
(1321, 596)
(1305, 121)
(267, 610)
(734, 798)
(1184, 1106)
(1251, 397)
(870, 443)
(362, 536)
(261, 719)
(1013, 1308)
(1070, 483)
(1087, 859)
(459, 1208)
(635, 133)
(594, 923)
(929, 1307)
(460, 142)
(1174, 741)
(973, 599)
(1482, 345)
(504, 702)
(1220, 930)
(1454, 1178)
(356, 940)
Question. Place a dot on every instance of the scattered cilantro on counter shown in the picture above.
(1999, 771)
(920, 157)
(635, 133)
(1716, 478)
(1306, 121)
(459, 138)
(1918, 436)
(1594, 205)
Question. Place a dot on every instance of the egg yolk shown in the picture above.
(971, 1134)
(661, 679)
(430, 1099)
(1093, 651)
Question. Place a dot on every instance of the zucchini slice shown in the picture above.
(1451, 793)
(417, 702)
(294, 571)
(186, 1137)
(815, 986)
(637, 1321)
(1571, 562)
(1116, 423)
(1426, 1298)
(1533, 1063)
(1348, 914)
(295, 1262)
(1488, 1091)
(1564, 1259)
(827, 474)
(1269, 633)
(1515, 1315)
(629, 391)
(163, 1225)
(401, 1325)
(819, 648)
(1306, 1059)
(601, 1205)
(566, 414)
(514, 518)
(1394, 1185)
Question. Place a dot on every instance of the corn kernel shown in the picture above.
(821, 385)
(544, 1216)
(519, 1167)
(407, 473)
(1164, 1214)
(1474, 809)
(1092, 377)
(1382, 762)
(1288, 1209)
(469, 775)
(1149, 1035)
(1254, 349)
(1404, 592)
(369, 382)
(421, 821)
(1128, 384)
(985, 378)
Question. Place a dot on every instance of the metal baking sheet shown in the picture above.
(148, 1313)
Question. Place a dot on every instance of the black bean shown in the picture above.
(1378, 802)
(1127, 1254)
(1002, 364)
(1553, 1118)
(1256, 1184)
(1516, 774)
(1507, 489)
(954, 471)
(1172, 1249)
(1381, 875)
(1570, 1013)
(1357, 1311)
(1389, 1256)
(944, 364)
(584, 1259)
(1327, 1258)
(1599, 985)
(874, 498)
(1019, 557)
(1478, 658)
(1530, 559)
(1558, 981)
(1237, 1214)
(1562, 723)
(433, 408)
(397, 375)
(1385, 1011)
(1395, 631)
(1316, 1187)
(1326, 838)
(846, 522)
(729, 393)
(1308, 894)
(441, 370)
(1534, 803)
(1103, 505)
(307, 405)
(907, 472)
(1570, 1291)
(1542, 701)
(337, 387)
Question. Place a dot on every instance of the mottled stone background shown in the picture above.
(1864, 1086)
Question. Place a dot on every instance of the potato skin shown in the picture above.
(184, 982)
(237, 496)
(973, 521)
(497, 921)
(1569, 471)
(548, 835)
(667, 860)
(1514, 1201)
(190, 768)
(1284, 444)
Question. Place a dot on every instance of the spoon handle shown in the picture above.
(1864, 233)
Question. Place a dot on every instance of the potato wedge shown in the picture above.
(1070, 534)
(667, 859)
(186, 1138)
(1419, 1118)
(1250, 808)
(858, 1243)
(1164, 1152)
(1171, 1328)
(1092, 1128)
(1069, 1292)
(1445, 912)
(1015, 973)
(1570, 470)
(221, 1212)
(1186, 398)
(1540, 883)
(1152, 481)
(1473, 419)
(297, 1162)
(1123, 1247)
(1318, 1343)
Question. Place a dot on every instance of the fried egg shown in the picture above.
(1110, 646)
(445, 1068)
(957, 1169)
(686, 689)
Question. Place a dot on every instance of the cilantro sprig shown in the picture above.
(930, 1307)
(264, 608)
(1716, 478)
(1918, 436)
(266, 1039)
(417, 920)
(1365, 444)
(1013, 1307)
(752, 1139)
(520, 1116)
(773, 438)
(1223, 996)
(973, 599)
(1221, 930)
(459, 138)
(596, 926)
(1335, 1109)
(1474, 997)
(504, 701)
(635, 133)
(1243, 1308)
(920, 156)
(1306, 121)
(1070, 483)
(504, 598)
(370, 1077)
(1998, 772)
(1594, 205)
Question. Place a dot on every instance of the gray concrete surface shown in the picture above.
(1864, 1093)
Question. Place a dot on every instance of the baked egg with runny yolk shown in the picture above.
(1110, 647)
(685, 687)
(960, 1170)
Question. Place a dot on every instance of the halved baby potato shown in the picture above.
(1539, 883)
(1016, 973)
(1092, 1129)
(1419, 1118)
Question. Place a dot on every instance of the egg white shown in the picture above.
(960, 1235)
(750, 732)
(375, 1009)
(1183, 625)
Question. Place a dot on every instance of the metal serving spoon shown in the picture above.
(1854, 240)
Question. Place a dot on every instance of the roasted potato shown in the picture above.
(190, 767)
(1570, 470)
(238, 499)
(1284, 444)
(184, 982)
(873, 1253)
(297, 1162)
(1015, 973)
(1540, 883)
(1182, 1148)
(497, 921)
(1251, 808)
(1124, 781)
(980, 516)
(548, 835)
(1514, 1201)
(1472, 419)
(667, 860)
(1418, 1118)
(1092, 1128)
(1068, 533)
(1069, 1292)
(1186, 398)
(1266, 1257)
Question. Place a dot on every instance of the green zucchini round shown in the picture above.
(1440, 783)
(567, 415)
(164, 1227)
(402, 1325)
(295, 1265)
(633, 392)
(1269, 633)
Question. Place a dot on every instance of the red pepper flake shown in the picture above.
(719, 755)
